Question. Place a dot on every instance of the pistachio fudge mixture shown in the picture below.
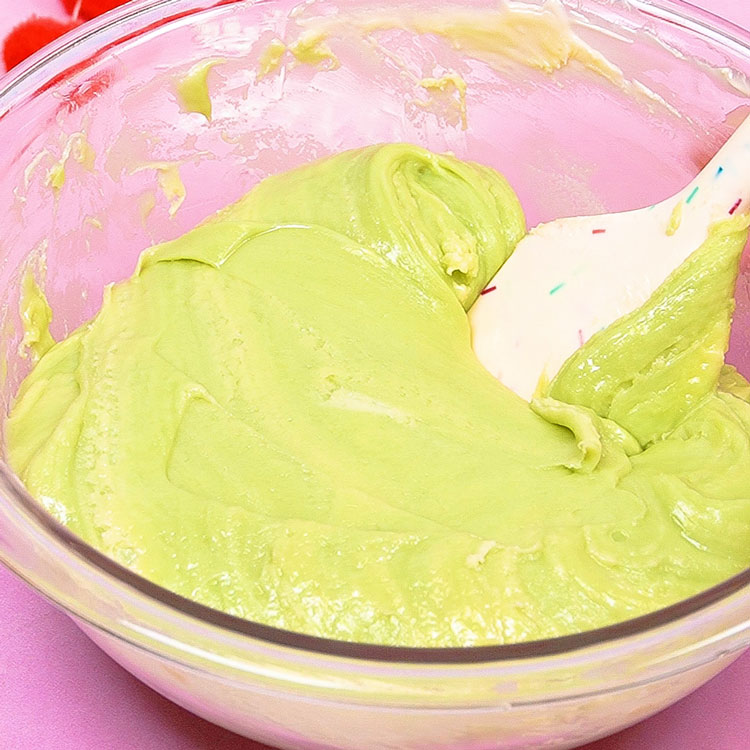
(280, 415)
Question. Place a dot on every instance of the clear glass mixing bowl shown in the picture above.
(78, 209)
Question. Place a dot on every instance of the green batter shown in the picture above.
(280, 415)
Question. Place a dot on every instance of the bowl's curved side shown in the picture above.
(296, 721)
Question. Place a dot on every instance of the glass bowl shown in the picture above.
(102, 157)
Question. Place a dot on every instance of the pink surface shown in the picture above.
(57, 690)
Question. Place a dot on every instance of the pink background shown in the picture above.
(58, 691)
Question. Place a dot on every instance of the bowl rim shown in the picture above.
(678, 12)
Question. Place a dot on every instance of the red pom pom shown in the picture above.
(91, 8)
(30, 36)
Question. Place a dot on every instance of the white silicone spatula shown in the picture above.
(571, 277)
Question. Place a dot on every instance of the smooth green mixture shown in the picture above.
(280, 415)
